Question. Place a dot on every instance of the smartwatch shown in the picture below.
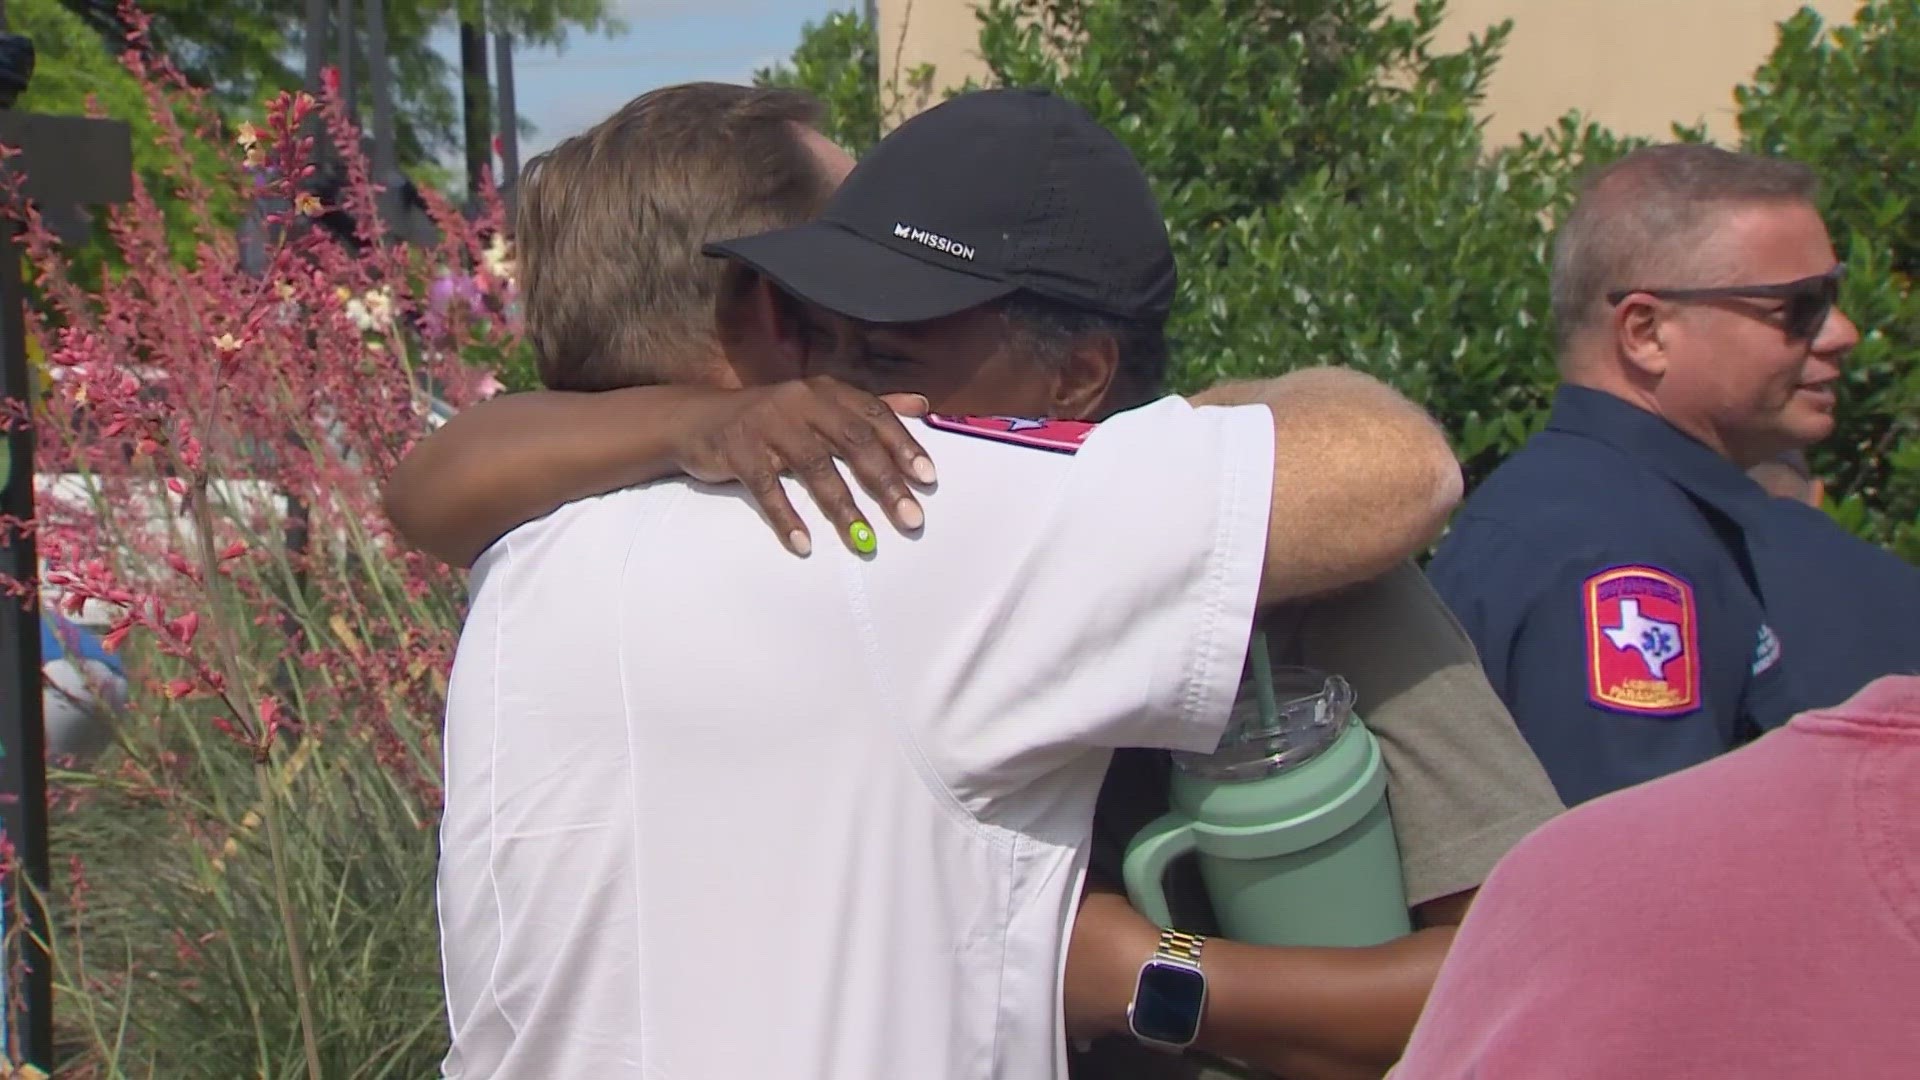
(1170, 994)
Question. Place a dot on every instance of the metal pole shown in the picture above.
(478, 128)
(316, 42)
(28, 1022)
(23, 768)
(385, 169)
(509, 117)
(344, 36)
(385, 165)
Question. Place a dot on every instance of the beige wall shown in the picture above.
(944, 33)
(1636, 66)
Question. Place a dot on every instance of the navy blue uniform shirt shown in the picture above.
(1847, 611)
(1605, 575)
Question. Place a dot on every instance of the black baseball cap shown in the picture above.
(983, 195)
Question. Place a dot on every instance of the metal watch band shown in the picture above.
(1181, 946)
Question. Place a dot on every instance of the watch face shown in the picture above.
(1167, 1003)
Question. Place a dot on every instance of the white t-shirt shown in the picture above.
(715, 812)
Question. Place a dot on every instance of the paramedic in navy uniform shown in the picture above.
(1847, 609)
(1606, 571)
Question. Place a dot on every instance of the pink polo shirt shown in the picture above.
(1756, 916)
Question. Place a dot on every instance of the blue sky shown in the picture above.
(666, 42)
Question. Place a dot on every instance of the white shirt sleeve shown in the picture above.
(1060, 602)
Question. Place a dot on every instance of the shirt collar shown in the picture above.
(1658, 445)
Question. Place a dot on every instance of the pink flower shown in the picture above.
(248, 385)
(273, 719)
(117, 636)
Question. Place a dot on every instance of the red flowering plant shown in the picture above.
(251, 861)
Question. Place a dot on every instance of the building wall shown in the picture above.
(1636, 66)
(944, 33)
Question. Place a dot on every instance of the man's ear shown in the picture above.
(1080, 386)
(1638, 333)
(760, 327)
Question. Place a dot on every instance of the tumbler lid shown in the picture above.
(1284, 717)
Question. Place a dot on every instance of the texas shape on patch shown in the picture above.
(1040, 433)
(1643, 647)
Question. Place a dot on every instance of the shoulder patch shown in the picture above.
(1039, 433)
(1643, 641)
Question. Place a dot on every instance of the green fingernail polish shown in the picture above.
(862, 537)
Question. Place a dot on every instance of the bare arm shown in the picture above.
(507, 461)
(1362, 478)
(1445, 910)
(1307, 1014)
(1313, 1013)
(512, 459)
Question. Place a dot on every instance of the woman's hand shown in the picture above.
(755, 436)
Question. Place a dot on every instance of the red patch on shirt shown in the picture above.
(1059, 436)
(1643, 642)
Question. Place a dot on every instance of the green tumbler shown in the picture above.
(1288, 818)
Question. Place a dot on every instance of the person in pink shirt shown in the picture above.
(1755, 916)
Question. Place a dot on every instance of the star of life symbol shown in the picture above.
(1032, 432)
(1021, 423)
(1657, 641)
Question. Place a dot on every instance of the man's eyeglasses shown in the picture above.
(1808, 300)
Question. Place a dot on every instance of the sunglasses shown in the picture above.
(1807, 301)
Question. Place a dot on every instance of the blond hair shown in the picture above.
(609, 226)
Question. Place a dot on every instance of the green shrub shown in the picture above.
(1842, 99)
(73, 71)
(838, 61)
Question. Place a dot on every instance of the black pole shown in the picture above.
(473, 94)
(344, 37)
(23, 739)
(385, 168)
(22, 734)
(509, 112)
(317, 20)
(316, 43)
